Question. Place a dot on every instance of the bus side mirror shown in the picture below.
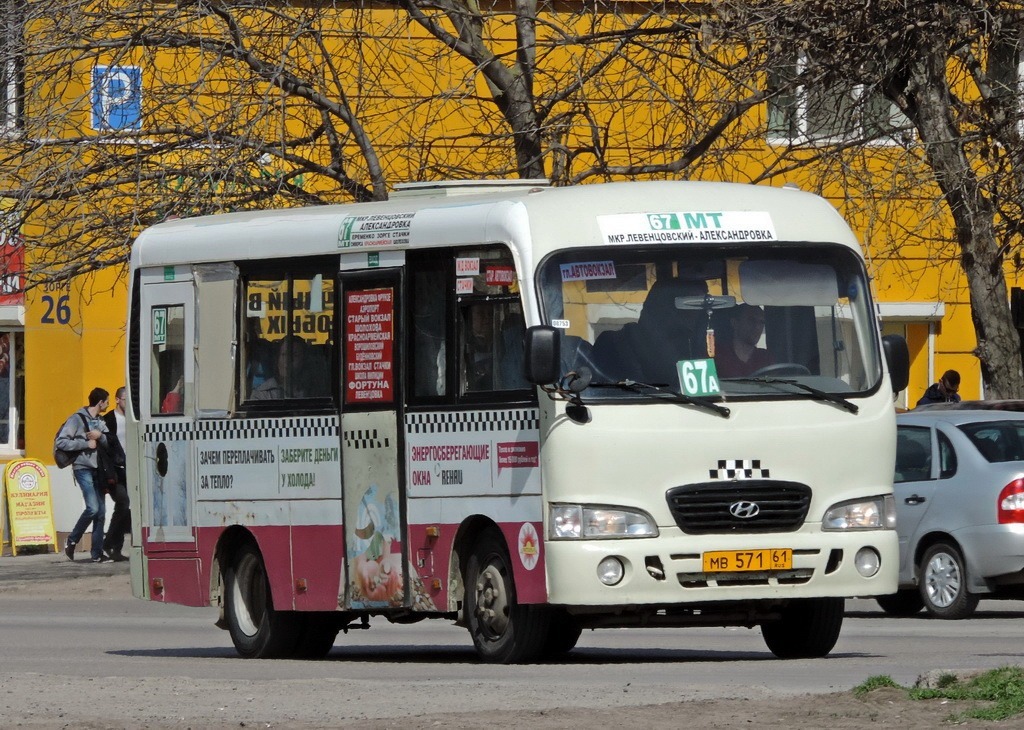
(897, 356)
(543, 361)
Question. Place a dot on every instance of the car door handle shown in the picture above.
(914, 499)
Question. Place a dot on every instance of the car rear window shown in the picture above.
(998, 441)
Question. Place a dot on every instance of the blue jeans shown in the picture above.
(95, 510)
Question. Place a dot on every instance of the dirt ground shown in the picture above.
(885, 707)
(880, 708)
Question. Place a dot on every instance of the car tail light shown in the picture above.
(1010, 507)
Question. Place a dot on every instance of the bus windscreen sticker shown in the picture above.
(698, 377)
(588, 270)
(730, 226)
(369, 346)
(500, 276)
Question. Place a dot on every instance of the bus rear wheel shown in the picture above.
(257, 630)
(808, 628)
(503, 631)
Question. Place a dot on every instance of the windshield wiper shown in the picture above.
(818, 394)
(669, 394)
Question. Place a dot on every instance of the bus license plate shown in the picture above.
(737, 561)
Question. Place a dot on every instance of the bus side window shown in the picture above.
(493, 337)
(288, 337)
(429, 315)
(167, 362)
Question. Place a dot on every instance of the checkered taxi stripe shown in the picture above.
(242, 429)
(366, 439)
(521, 419)
(739, 469)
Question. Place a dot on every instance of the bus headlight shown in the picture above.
(875, 513)
(594, 522)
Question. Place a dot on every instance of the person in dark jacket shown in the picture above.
(944, 391)
(121, 520)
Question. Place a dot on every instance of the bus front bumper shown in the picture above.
(671, 569)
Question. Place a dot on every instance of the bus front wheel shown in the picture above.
(503, 631)
(257, 630)
(808, 628)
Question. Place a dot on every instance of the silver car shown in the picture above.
(959, 510)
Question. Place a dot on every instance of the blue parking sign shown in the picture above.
(116, 98)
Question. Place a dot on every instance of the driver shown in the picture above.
(739, 354)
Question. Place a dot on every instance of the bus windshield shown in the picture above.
(745, 319)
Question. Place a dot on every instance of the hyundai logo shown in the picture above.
(744, 510)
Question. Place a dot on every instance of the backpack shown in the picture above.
(62, 458)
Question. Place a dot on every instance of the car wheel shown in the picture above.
(942, 579)
(808, 628)
(901, 603)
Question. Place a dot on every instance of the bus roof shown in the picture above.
(456, 214)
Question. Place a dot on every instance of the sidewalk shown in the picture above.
(35, 567)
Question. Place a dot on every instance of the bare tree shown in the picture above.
(265, 104)
(273, 104)
(938, 63)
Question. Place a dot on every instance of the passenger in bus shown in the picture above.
(513, 353)
(174, 401)
(737, 354)
(479, 348)
(288, 380)
(648, 350)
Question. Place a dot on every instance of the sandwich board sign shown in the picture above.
(29, 505)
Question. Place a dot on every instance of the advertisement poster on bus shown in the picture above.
(373, 532)
(456, 457)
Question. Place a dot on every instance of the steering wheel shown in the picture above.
(781, 368)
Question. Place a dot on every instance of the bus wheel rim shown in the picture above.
(492, 601)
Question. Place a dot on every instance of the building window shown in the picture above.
(12, 392)
(828, 114)
(1006, 74)
(11, 56)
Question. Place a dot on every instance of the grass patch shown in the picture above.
(879, 680)
(1002, 691)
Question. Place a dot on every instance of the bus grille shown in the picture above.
(702, 509)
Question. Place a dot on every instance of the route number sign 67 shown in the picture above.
(698, 377)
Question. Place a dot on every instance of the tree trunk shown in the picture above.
(928, 106)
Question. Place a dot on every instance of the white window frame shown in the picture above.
(16, 339)
(801, 110)
(1017, 83)
(11, 30)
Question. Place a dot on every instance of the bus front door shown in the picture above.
(373, 488)
(167, 402)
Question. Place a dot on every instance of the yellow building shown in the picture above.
(428, 113)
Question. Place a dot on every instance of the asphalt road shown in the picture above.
(77, 650)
